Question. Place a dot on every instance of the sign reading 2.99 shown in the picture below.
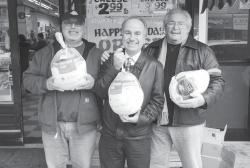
(111, 7)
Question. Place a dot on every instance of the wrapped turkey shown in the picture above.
(186, 83)
(68, 67)
(125, 94)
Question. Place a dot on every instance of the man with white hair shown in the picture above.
(182, 122)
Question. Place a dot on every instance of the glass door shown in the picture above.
(11, 131)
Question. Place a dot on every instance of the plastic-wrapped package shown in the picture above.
(68, 67)
(125, 94)
(189, 82)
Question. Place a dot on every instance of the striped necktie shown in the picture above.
(128, 63)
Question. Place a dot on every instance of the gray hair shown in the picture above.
(134, 17)
(178, 11)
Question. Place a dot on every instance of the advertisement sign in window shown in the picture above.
(100, 8)
(106, 32)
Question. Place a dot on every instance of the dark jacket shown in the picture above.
(150, 74)
(39, 71)
(193, 55)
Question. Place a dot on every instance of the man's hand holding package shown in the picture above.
(89, 82)
(130, 119)
(196, 101)
(105, 56)
(119, 58)
(51, 85)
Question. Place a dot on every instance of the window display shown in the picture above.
(5, 57)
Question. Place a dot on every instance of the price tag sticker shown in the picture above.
(110, 7)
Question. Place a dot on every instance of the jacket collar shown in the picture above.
(191, 43)
(157, 43)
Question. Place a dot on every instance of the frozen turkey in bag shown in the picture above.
(125, 94)
(195, 82)
(68, 67)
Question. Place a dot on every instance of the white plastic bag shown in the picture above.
(68, 67)
(125, 94)
(188, 82)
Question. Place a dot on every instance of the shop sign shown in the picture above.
(106, 33)
(240, 22)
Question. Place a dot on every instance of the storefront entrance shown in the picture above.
(25, 25)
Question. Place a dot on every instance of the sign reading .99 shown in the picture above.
(109, 8)
(160, 5)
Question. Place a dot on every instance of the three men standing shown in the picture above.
(69, 118)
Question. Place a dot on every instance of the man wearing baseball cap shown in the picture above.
(68, 118)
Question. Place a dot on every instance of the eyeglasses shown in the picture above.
(181, 25)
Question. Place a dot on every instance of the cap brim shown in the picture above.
(73, 18)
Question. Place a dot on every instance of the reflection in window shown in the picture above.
(5, 61)
(227, 31)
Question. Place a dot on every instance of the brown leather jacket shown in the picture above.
(193, 55)
(150, 74)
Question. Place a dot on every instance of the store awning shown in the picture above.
(219, 3)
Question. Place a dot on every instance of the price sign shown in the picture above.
(109, 8)
(152, 7)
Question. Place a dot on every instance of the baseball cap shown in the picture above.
(73, 17)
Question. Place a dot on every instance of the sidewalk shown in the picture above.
(30, 156)
(22, 158)
(33, 157)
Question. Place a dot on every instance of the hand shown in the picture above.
(119, 58)
(89, 82)
(132, 119)
(105, 56)
(196, 101)
(51, 85)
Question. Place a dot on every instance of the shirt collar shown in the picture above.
(134, 58)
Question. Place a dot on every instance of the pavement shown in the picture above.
(31, 155)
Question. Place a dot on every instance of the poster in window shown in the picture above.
(100, 8)
(153, 7)
(106, 32)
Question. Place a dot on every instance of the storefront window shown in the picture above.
(5, 61)
(228, 31)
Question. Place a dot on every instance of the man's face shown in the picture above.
(72, 31)
(177, 29)
(134, 34)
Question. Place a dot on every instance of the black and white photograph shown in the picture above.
(124, 84)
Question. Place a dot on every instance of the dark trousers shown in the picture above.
(113, 152)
